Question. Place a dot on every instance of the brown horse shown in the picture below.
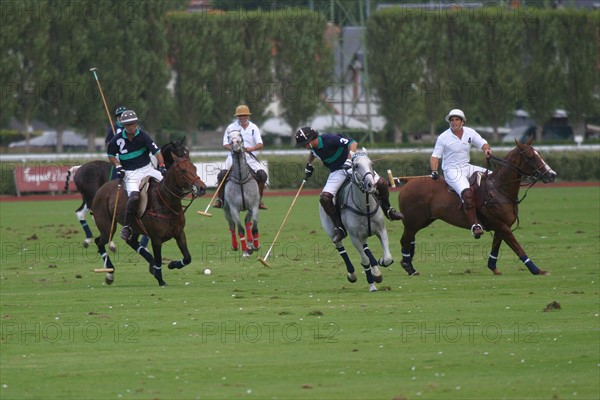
(163, 218)
(90, 177)
(422, 201)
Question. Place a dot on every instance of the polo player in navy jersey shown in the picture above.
(133, 147)
(336, 151)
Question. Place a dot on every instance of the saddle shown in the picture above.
(145, 184)
(478, 184)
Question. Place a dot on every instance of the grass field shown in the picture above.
(299, 330)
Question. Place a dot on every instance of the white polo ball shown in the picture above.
(207, 271)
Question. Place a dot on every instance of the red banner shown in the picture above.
(42, 178)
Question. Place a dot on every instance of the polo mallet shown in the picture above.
(205, 212)
(93, 70)
(114, 218)
(264, 260)
(395, 180)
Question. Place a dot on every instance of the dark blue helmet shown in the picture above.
(120, 110)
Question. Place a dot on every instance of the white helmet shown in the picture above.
(456, 113)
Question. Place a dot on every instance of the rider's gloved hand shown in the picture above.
(120, 172)
(347, 164)
(162, 169)
(434, 175)
(308, 171)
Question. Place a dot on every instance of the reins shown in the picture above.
(520, 171)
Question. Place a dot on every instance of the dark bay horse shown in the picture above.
(163, 218)
(424, 200)
(89, 177)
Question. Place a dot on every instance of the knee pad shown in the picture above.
(326, 200)
(221, 175)
(261, 176)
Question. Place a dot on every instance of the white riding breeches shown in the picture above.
(336, 179)
(134, 178)
(252, 163)
(457, 176)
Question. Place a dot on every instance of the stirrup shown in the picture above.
(476, 231)
(126, 233)
(338, 234)
(218, 204)
(393, 215)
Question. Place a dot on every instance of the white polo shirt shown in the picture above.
(251, 136)
(455, 152)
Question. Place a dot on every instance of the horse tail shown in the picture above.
(67, 181)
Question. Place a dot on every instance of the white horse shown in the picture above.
(241, 194)
(362, 217)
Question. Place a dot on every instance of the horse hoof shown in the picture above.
(235, 248)
(247, 253)
(416, 273)
(385, 263)
(378, 278)
(372, 288)
(542, 272)
(86, 243)
(496, 272)
(162, 284)
(352, 277)
(109, 278)
(112, 246)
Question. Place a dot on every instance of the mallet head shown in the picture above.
(264, 262)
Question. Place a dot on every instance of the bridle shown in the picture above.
(534, 173)
(357, 180)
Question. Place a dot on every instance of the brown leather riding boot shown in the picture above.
(384, 198)
(469, 209)
(331, 210)
(261, 189)
(219, 201)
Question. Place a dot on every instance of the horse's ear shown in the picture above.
(182, 141)
(530, 141)
(517, 143)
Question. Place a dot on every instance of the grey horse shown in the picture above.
(241, 194)
(363, 217)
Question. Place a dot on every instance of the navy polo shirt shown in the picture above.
(133, 154)
(333, 150)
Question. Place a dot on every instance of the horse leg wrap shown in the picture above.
(249, 231)
(243, 242)
(367, 251)
(368, 273)
(107, 262)
(342, 252)
(492, 259)
(234, 243)
(86, 228)
(179, 263)
(146, 254)
(157, 272)
(530, 265)
(255, 241)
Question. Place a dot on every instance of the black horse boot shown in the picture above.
(384, 197)
(131, 210)
(261, 178)
(469, 209)
(220, 177)
(326, 201)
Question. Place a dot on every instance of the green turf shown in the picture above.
(299, 329)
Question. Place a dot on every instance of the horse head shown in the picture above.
(236, 141)
(174, 148)
(183, 177)
(362, 172)
(532, 164)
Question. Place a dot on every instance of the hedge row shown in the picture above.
(286, 173)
